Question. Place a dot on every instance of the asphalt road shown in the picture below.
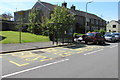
(84, 61)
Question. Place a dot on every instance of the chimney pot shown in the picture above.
(64, 4)
(72, 7)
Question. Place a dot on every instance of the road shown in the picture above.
(77, 61)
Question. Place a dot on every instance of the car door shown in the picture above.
(99, 37)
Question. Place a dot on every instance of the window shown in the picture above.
(114, 26)
(97, 22)
(98, 35)
(90, 34)
(109, 30)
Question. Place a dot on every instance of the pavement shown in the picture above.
(5, 48)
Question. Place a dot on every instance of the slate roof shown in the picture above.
(76, 12)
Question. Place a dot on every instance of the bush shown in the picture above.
(88, 31)
(45, 33)
(96, 31)
(102, 31)
(76, 35)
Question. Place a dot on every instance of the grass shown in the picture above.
(13, 37)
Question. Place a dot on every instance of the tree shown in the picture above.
(102, 31)
(35, 21)
(6, 16)
(61, 15)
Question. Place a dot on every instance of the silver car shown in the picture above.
(110, 37)
(117, 36)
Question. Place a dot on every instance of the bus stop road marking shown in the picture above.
(18, 64)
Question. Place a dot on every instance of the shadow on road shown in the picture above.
(76, 45)
(2, 38)
(83, 44)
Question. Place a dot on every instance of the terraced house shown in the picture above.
(93, 22)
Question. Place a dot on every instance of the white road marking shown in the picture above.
(33, 68)
(93, 52)
(114, 46)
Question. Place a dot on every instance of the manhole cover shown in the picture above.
(38, 52)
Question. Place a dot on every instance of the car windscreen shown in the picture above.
(108, 35)
(117, 34)
(90, 34)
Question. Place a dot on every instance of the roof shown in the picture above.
(118, 21)
(82, 13)
(49, 5)
(76, 12)
(46, 5)
(23, 10)
(115, 21)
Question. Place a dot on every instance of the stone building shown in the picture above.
(93, 22)
(113, 26)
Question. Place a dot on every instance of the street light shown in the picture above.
(86, 15)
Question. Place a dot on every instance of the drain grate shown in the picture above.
(38, 52)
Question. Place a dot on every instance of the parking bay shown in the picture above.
(41, 55)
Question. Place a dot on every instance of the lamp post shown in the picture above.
(86, 15)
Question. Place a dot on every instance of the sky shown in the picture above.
(106, 9)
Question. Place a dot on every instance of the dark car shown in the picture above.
(94, 37)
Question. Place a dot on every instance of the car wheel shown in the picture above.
(99, 42)
(96, 42)
(86, 42)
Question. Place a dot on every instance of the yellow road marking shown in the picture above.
(81, 49)
(55, 53)
(37, 58)
(18, 64)
(46, 59)
(29, 56)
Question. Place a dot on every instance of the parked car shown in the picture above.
(110, 37)
(117, 36)
(94, 37)
(106, 33)
(80, 38)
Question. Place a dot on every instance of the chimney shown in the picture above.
(64, 4)
(72, 7)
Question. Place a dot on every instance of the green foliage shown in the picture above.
(45, 27)
(62, 15)
(96, 31)
(13, 37)
(102, 31)
(35, 21)
(77, 34)
(89, 31)
(6, 16)
(45, 33)
(59, 15)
